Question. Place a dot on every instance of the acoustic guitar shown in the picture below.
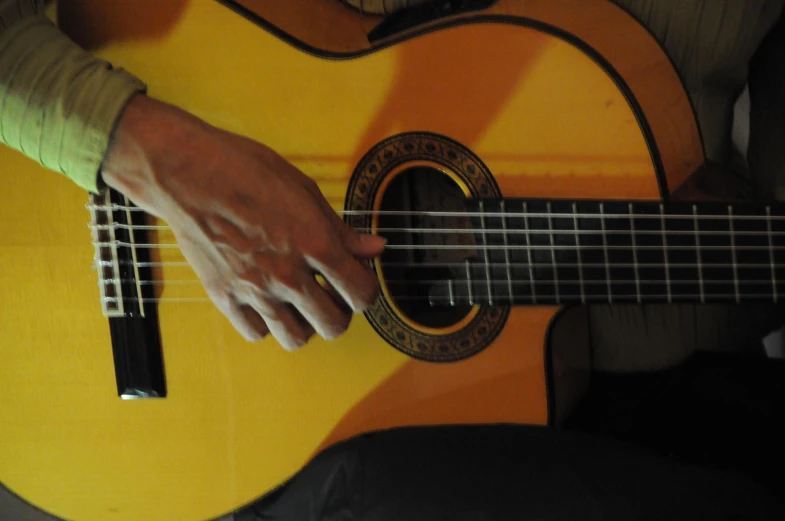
(518, 155)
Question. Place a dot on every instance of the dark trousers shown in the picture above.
(720, 411)
(701, 441)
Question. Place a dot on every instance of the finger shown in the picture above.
(337, 298)
(289, 328)
(244, 319)
(214, 280)
(247, 322)
(329, 318)
(361, 245)
(258, 323)
(355, 282)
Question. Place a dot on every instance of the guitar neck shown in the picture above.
(560, 252)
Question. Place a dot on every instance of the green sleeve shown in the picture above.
(58, 103)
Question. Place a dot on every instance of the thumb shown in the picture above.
(362, 245)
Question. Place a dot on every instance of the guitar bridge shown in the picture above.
(117, 228)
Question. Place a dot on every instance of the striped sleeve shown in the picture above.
(58, 103)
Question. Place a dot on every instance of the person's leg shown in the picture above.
(489, 473)
(722, 411)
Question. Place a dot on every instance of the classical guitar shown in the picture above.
(520, 158)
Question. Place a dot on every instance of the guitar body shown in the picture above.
(548, 98)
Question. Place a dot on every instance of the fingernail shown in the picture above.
(292, 346)
(373, 239)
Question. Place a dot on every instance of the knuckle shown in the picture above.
(322, 249)
(289, 276)
(310, 184)
(273, 312)
(215, 288)
(221, 297)
(254, 281)
(216, 284)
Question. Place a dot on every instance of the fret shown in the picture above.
(559, 251)
(489, 262)
(508, 268)
(591, 253)
(716, 257)
(567, 253)
(553, 254)
(605, 254)
(486, 254)
(502, 259)
(696, 231)
(778, 250)
(529, 256)
(663, 229)
(752, 249)
(469, 282)
(733, 253)
(619, 251)
(540, 254)
(577, 227)
(512, 265)
(771, 255)
(649, 249)
(678, 272)
(634, 253)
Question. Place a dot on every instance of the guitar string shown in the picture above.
(467, 230)
(509, 215)
(523, 298)
(573, 215)
(502, 281)
(481, 281)
(184, 264)
(408, 247)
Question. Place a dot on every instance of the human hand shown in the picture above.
(254, 228)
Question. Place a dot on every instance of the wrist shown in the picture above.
(151, 139)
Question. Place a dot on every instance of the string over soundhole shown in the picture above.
(413, 189)
(430, 238)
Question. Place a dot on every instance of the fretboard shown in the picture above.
(561, 252)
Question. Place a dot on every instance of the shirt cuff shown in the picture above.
(58, 103)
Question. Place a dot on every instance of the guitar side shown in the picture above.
(536, 107)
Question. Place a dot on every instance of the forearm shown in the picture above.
(58, 103)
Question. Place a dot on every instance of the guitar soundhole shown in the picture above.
(409, 174)
(430, 247)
